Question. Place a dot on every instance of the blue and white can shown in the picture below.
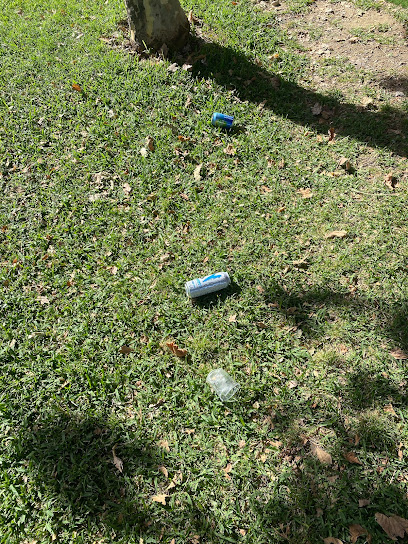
(209, 284)
(221, 120)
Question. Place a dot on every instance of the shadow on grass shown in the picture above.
(73, 460)
(208, 301)
(285, 98)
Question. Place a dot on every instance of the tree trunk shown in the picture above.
(157, 22)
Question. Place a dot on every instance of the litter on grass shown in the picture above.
(222, 384)
(209, 284)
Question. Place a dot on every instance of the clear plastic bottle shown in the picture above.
(204, 286)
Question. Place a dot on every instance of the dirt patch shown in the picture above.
(373, 41)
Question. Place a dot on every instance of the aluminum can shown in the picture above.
(209, 284)
(221, 120)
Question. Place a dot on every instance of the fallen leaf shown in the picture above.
(160, 498)
(317, 109)
(391, 181)
(356, 530)
(389, 409)
(149, 143)
(197, 172)
(336, 234)
(43, 300)
(363, 502)
(241, 444)
(127, 188)
(394, 526)
(332, 134)
(232, 318)
(398, 354)
(242, 532)
(164, 444)
(400, 452)
(351, 457)
(77, 88)
(261, 325)
(173, 67)
(116, 460)
(265, 189)
(306, 193)
(323, 456)
(230, 150)
(187, 67)
(192, 18)
(195, 539)
(176, 350)
(345, 164)
(226, 470)
(113, 270)
(332, 540)
(126, 349)
(177, 480)
(143, 151)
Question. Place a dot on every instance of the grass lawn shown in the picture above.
(97, 240)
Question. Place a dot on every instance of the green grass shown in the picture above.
(87, 266)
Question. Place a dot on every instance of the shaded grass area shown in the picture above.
(97, 242)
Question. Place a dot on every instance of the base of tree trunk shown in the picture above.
(154, 23)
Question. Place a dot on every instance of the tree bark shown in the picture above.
(157, 22)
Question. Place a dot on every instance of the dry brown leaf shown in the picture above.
(305, 193)
(173, 67)
(143, 151)
(266, 189)
(356, 530)
(363, 502)
(391, 181)
(197, 172)
(164, 444)
(116, 460)
(195, 539)
(323, 456)
(400, 452)
(241, 444)
(192, 18)
(176, 350)
(336, 234)
(177, 480)
(126, 350)
(43, 300)
(149, 143)
(332, 134)
(127, 188)
(77, 88)
(332, 540)
(160, 498)
(187, 67)
(113, 270)
(226, 470)
(164, 471)
(232, 318)
(398, 354)
(351, 457)
(230, 150)
(317, 109)
(389, 409)
(242, 532)
(394, 526)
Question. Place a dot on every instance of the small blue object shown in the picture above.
(221, 120)
(209, 284)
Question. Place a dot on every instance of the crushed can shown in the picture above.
(209, 284)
